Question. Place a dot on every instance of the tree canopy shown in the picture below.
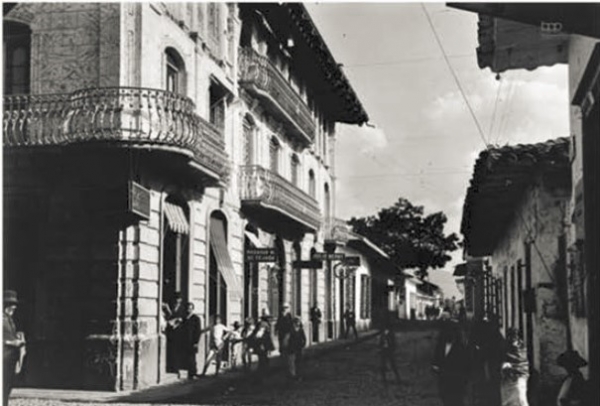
(411, 239)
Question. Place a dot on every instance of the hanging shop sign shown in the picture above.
(352, 261)
(324, 256)
(314, 264)
(138, 200)
(260, 255)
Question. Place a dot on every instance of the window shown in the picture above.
(175, 80)
(363, 296)
(295, 163)
(248, 152)
(217, 99)
(274, 155)
(312, 187)
(17, 52)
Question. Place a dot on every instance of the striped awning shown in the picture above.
(176, 219)
(253, 239)
(218, 244)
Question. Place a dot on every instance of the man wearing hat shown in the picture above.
(284, 331)
(13, 342)
(574, 390)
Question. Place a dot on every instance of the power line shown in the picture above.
(402, 61)
(397, 174)
(437, 38)
(492, 121)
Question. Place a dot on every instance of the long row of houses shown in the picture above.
(530, 218)
(152, 149)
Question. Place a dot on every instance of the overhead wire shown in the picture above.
(462, 92)
(493, 120)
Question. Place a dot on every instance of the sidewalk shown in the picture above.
(181, 388)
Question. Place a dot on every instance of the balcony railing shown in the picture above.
(337, 230)
(120, 116)
(262, 187)
(259, 76)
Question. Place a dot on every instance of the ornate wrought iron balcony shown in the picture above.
(120, 116)
(261, 187)
(261, 78)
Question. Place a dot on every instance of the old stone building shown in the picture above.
(527, 36)
(147, 146)
(515, 214)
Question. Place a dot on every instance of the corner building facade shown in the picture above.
(146, 147)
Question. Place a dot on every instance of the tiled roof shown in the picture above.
(500, 177)
(293, 18)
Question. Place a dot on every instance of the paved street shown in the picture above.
(349, 376)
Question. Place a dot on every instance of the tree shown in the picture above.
(411, 239)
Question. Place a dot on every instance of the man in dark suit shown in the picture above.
(315, 318)
(452, 363)
(190, 336)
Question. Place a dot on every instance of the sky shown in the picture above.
(424, 141)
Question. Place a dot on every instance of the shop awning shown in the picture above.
(253, 239)
(219, 248)
(176, 219)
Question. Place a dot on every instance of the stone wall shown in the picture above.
(539, 222)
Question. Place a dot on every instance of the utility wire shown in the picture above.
(402, 61)
(492, 121)
(437, 38)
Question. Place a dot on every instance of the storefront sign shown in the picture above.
(260, 255)
(138, 200)
(314, 264)
(352, 261)
(324, 256)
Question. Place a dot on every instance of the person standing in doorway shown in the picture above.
(191, 332)
(387, 353)
(218, 336)
(262, 343)
(248, 342)
(14, 342)
(350, 319)
(174, 314)
(284, 331)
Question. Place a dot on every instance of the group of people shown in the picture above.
(498, 366)
(183, 330)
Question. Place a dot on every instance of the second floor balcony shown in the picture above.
(259, 77)
(277, 197)
(121, 117)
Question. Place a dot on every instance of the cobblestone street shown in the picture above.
(348, 376)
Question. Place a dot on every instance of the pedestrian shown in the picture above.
(262, 344)
(284, 331)
(350, 319)
(515, 371)
(191, 332)
(315, 319)
(574, 389)
(387, 353)
(174, 314)
(235, 339)
(14, 343)
(452, 362)
(247, 342)
(297, 343)
(218, 336)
